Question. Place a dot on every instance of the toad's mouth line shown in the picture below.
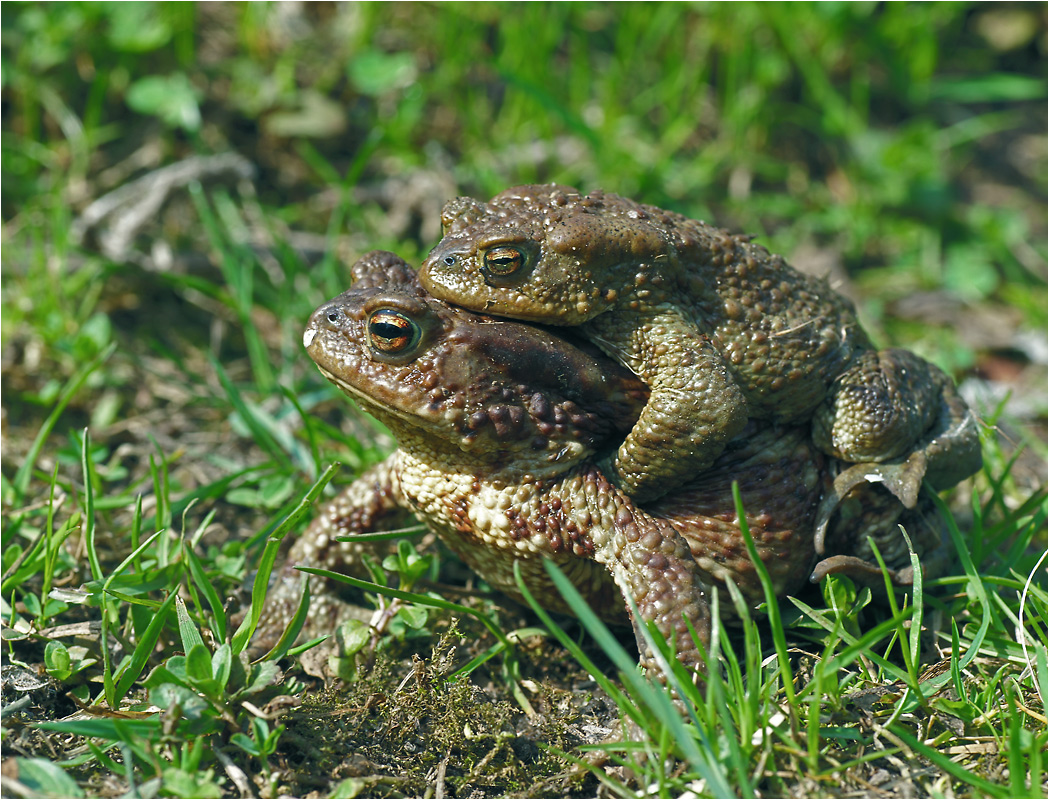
(370, 402)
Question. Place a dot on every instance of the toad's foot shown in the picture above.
(903, 479)
(862, 572)
(871, 518)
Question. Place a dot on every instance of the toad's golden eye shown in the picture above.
(503, 260)
(391, 332)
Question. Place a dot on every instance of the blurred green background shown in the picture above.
(900, 147)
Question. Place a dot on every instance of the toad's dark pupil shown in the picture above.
(392, 332)
(503, 260)
(449, 260)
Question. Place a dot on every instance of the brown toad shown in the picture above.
(498, 423)
(721, 331)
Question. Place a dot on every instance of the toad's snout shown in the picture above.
(329, 317)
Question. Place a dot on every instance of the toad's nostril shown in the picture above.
(329, 317)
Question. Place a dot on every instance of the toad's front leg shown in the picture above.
(652, 564)
(694, 409)
(371, 503)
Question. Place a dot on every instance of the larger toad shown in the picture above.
(498, 424)
(721, 330)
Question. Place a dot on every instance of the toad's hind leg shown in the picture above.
(870, 517)
(879, 407)
(944, 454)
(900, 420)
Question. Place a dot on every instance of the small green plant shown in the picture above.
(210, 692)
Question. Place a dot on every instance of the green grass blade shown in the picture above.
(772, 604)
(186, 627)
(308, 428)
(238, 268)
(856, 645)
(975, 584)
(957, 771)
(658, 701)
(608, 685)
(411, 597)
(476, 661)
(247, 627)
(89, 506)
(260, 432)
(383, 536)
(291, 633)
(20, 484)
(111, 729)
(143, 650)
(200, 580)
(163, 512)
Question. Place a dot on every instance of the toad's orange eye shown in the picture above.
(503, 261)
(391, 332)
